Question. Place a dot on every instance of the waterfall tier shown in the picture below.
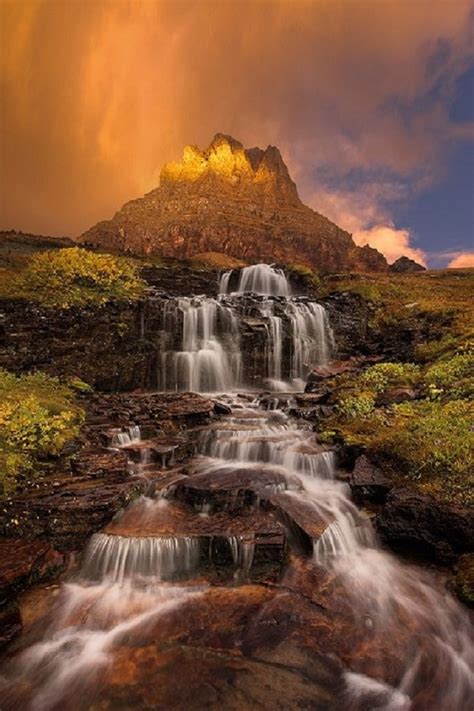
(256, 335)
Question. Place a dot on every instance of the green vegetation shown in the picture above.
(74, 277)
(382, 376)
(309, 276)
(452, 377)
(436, 304)
(428, 439)
(38, 418)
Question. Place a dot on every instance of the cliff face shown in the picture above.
(241, 202)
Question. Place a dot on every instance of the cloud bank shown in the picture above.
(461, 261)
(97, 96)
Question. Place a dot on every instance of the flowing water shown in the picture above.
(407, 644)
(202, 344)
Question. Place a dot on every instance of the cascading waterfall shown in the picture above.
(407, 627)
(258, 279)
(118, 558)
(201, 337)
(204, 362)
(382, 591)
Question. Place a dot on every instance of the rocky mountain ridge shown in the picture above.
(236, 201)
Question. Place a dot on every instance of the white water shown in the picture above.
(123, 588)
(258, 279)
(201, 337)
(120, 558)
(384, 593)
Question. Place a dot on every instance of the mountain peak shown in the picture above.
(236, 201)
(227, 161)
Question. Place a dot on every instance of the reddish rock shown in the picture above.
(22, 563)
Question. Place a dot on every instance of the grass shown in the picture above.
(428, 441)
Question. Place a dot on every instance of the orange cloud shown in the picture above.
(466, 259)
(96, 96)
(391, 242)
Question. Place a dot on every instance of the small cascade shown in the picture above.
(123, 438)
(201, 360)
(311, 336)
(202, 348)
(118, 558)
(243, 551)
(342, 537)
(258, 279)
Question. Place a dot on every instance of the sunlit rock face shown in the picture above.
(234, 200)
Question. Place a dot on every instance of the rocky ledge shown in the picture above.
(42, 527)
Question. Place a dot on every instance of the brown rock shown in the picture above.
(405, 265)
(368, 482)
(396, 395)
(417, 522)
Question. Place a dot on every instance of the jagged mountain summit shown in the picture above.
(238, 201)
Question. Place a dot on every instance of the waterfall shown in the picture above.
(258, 279)
(204, 362)
(122, 438)
(202, 348)
(118, 558)
(399, 640)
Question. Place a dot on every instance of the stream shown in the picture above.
(252, 581)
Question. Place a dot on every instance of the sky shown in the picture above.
(369, 101)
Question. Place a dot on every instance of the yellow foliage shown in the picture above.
(38, 417)
(78, 277)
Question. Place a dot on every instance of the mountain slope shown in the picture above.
(241, 202)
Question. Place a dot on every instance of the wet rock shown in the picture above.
(416, 522)
(22, 563)
(232, 489)
(237, 648)
(300, 520)
(220, 408)
(368, 482)
(10, 622)
(98, 463)
(67, 515)
(324, 372)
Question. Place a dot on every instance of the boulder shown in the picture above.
(396, 395)
(418, 523)
(368, 482)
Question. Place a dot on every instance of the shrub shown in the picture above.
(38, 417)
(381, 376)
(77, 277)
(353, 406)
(309, 276)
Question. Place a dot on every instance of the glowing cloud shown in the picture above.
(466, 259)
(391, 242)
(97, 96)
